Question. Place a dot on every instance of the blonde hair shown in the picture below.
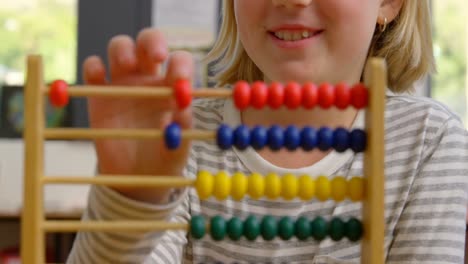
(406, 45)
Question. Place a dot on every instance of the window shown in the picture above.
(449, 85)
(46, 27)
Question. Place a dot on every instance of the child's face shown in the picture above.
(334, 35)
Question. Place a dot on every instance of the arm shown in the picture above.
(125, 247)
(431, 228)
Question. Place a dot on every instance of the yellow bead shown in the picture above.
(323, 188)
(204, 184)
(239, 186)
(289, 188)
(306, 187)
(339, 188)
(356, 189)
(222, 185)
(256, 187)
(272, 186)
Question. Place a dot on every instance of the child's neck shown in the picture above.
(316, 118)
(300, 117)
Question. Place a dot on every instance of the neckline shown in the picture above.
(329, 165)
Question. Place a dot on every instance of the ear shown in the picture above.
(389, 9)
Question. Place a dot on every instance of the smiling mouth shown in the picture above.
(294, 35)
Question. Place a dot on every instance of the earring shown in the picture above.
(383, 26)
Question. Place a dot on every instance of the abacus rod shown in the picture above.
(122, 180)
(32, 216)
(139, 91)
(129, 225)
(78, 133)
(374, 202)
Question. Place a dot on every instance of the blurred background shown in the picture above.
(64, 32)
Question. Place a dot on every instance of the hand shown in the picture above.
(138, 63)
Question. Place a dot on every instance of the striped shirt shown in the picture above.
(426, 148)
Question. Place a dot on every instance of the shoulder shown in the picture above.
(430, 117)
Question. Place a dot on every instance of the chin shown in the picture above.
(296, 75)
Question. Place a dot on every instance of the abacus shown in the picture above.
(369, 189)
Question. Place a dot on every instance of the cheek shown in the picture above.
(248, 14)
(350, 24)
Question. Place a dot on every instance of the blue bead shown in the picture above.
(341, 139)
(275, 137)
(242, 137)
(292, 138)
(259, 137)
(325, 138)
(224, 137)
(358, 140)
(308, 138)
(172, 136)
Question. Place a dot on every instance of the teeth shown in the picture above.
(292, 35)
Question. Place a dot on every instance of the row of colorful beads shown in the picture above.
(276, 137)
(292, 138)
(293, 95)
(270, 227)
(272, 186)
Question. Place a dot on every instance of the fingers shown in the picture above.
(180, 66)
(122, 56)
(152, 51)
(94, 71)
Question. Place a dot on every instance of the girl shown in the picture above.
(282, 40)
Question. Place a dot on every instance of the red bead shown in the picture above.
(58, 93)
(183, 93)
(241, 95)
(276, 95)
(309, 95)
(292, 95)
(342, 96)
(259, 95)
(359, 96)
(326, 95)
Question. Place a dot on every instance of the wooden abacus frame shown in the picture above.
(34, 225)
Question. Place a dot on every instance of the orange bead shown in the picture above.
(259, 95)
(183, 93)
(292, 95)
(276, 95)
(58, 93)
(241, 95)
(309, 95)
(326, 95)
(359, 96)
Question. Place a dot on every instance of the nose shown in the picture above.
(292, 3)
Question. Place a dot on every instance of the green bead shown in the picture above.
(217, 228)
(235, 228)
(197, 226)
(337, 229)
(353, 229)
(251, 228)
(302, 228)
(319, 228)
(269, 228)
(286, 228)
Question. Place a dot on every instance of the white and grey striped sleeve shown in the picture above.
(129, 247)
(432, 225)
